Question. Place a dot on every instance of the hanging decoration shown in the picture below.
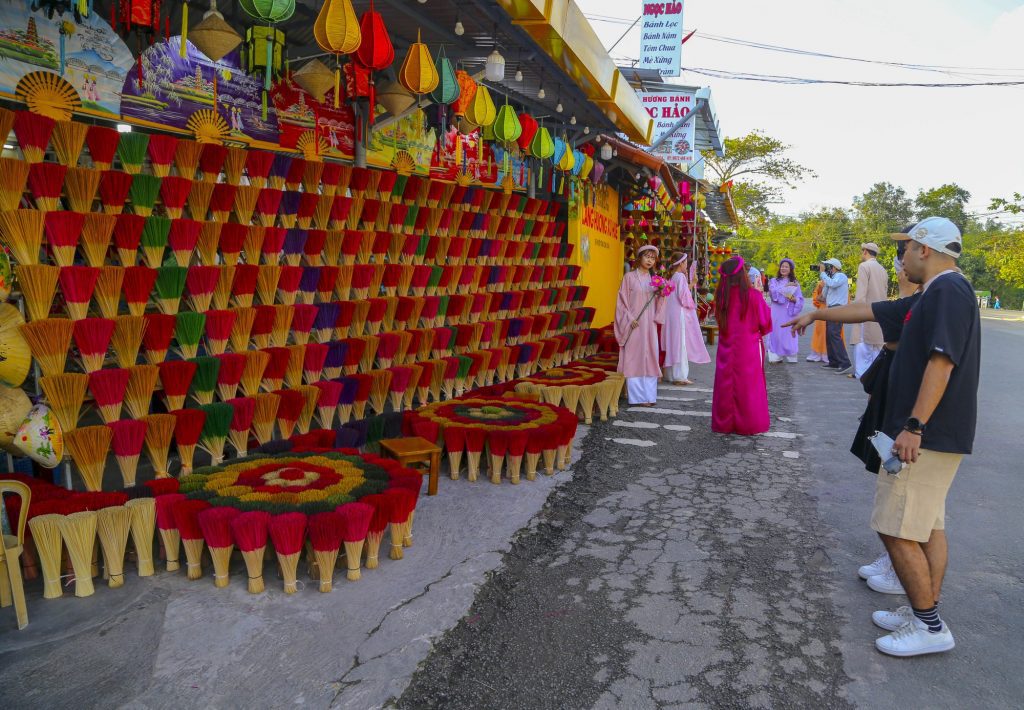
(316, 78)
(375, 52)
(395, 98)
(213, 36)
(447, 91)
(271, 12)
(418, 73)
(481, 109)
(337, 31)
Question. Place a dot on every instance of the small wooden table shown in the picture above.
(710, 332)
(415, 449)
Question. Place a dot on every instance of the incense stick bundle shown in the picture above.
(232, 366)
(277, 366)
(182, 239)
(325, 537)
(204, 382)
(175, 378)
(21, 231)
(170, 285)
(174, 193)
(46, 537)
(79, 533)
(153, 241)
(108, 389)
(211, 161)
(13, 177)
(199, 198)
(144, 192)
(215, 429)
(81, 186)
(131, 151)
(138, 285)
(113, 525)
(88, 447)
(355, 525)
(288, 284)
(242, 328)
(68, 139)
(45, 182)
(157, 442)
(142, 513)
(49, 340)
(218, 329)
(252, 375)
(188, 332)
(169, 535)
(283, 316)
(379, 389)
(378, 523)
(127, 339)
(215, 524)
(234, 164)
(127, 237)
(245, 204)
(289, 410)
(327, 402)
(293, 375)
(38, 284)
(141, 383)
(65, 393)
(264, 415)
(157, 336)
(241, 422)
(186, 157)
(244, 284)
(209, 241)
(108, 290)
(102, 143)
(263, 326)
(161, 151)
(266, 286)
(225, 283)
(33, 132)
(186, 519)
(115, 187)
(310, 397)
(97, 231)
(126, 443)
(403, 502)
(187, 430)
(287, 531)
(249, 531)
(77, 283)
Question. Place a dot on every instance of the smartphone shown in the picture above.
(883, 445)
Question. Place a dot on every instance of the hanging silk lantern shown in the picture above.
(558, 154)
(418, 73)
(376, 51)
(542, 146)
(506, 124)
(597, 172)
(578, 159)
(271, 12)
(448, 89)
(588, 165)
(316, 78)
(529, 124)
(336, 30)
(481, 109)
(467, 90)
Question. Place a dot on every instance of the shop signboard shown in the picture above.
(594, 232)
(661, 37)
(667, 109)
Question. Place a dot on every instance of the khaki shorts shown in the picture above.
(912, 504)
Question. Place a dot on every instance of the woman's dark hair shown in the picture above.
(792, 269)
(727, 285)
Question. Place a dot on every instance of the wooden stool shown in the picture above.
(710, 332)
(415, 449)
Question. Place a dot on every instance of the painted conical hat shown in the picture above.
(40, 437)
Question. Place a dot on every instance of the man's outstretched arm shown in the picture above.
(850, 313)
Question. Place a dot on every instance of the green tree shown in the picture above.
(1013, 205)
(885, 208)
(948, 201)
(759, 169)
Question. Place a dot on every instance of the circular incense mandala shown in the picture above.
(603, 361)
(578, 389)
(306, 483)
(510, 427)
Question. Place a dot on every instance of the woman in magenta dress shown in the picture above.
(787, 303)
(681, 338)
(740, 401)
(636, 329)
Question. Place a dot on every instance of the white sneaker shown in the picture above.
(892, 620)
(880, 566)
(813, 357)
(914, 639)
(791, 359)
(886, 583)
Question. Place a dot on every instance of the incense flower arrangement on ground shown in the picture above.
(512, 427)
(578, 389)
(308, 484)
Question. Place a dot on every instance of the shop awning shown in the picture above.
(630, 157)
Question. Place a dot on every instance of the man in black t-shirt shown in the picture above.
(931, 413)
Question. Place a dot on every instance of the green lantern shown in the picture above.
(447, 91)
(269, 10)
(507, 127)
(542, 146)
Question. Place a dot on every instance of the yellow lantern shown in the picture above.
(588, 165)
(567, 161)
(481, 110)
(337, 31)
(418, 73)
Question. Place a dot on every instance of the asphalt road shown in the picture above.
(685, 569)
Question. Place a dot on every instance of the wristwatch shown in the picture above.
(914, 426)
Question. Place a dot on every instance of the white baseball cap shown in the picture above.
(937, 233)
(834, 262)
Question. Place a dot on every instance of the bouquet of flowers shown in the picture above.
(660, 287)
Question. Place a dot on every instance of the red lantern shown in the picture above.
(588, 149)
(376, 51)
(529, 130)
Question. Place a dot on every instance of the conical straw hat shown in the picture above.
(15, 356)
(14, 406)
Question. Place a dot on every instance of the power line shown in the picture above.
(784, 79)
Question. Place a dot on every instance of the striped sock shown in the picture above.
(930, 617)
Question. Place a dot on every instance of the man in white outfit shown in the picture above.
(872, 286)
